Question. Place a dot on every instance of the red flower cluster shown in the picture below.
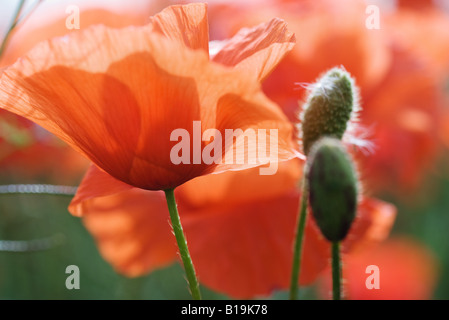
(398, 67)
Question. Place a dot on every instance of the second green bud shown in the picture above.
(332, 184)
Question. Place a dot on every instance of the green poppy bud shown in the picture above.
(332, 184)
(329, 107)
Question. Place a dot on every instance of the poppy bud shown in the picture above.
(332, 184)
(329, 107)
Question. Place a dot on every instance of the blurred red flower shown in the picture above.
(406, 271)
(239, 225)
(430, 43)
(398, 68)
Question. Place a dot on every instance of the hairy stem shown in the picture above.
(182, 245)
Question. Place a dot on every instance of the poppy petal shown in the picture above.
(406, 112)
(257, 50)
(373, 223)
(186, 23)
(234, 187)
(266, 135)
(50, 21)
(243, 250)
(429, 41)
(401, 268)
(95, 184)
(132, 230)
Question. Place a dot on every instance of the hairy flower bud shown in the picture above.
(329, 107)
(332, 184)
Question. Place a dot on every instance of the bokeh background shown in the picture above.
(404, 78)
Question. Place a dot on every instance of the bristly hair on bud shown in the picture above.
(332, 184)
(331, 106)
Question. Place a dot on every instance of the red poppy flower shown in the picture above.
(398, 269)
(117, 95)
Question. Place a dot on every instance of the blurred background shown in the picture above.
(400, 60)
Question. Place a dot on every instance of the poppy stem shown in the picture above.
(182, 244)
(297, 249)
(336, 271)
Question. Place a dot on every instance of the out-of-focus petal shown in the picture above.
(266, 137)
(373, 223)
(96, 184)
(243, 250)
(235, 187)
(407, 271)
(416, 4)
(328, 34)
(132, 230)
(54, 19)
(239, 236)
(430, 42)
(444, 130)
(405, 115)
(188, 24)
(257, 50)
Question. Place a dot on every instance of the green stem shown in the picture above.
(13, 25)
(182, 245)
(336, 271)
(297, 249)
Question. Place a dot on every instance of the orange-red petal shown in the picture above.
(243, 250)
(50, 21)
(374, 221)
(95, 184)
(404, 112)
(416, 4)
(407, 270)
(257, 50)
(235, 187)
(372, 224)
(430, 42)
(185, 23)
(132, 230)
